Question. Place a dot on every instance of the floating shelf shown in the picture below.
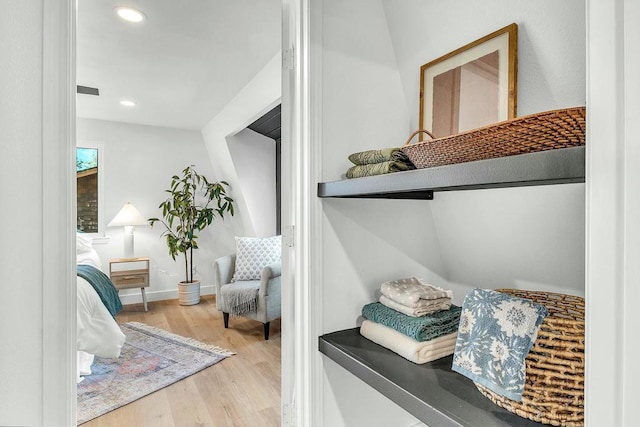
(431, 392)
(559, 166)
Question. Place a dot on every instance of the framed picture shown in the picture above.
(472, 86)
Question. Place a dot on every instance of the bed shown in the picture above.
(98, 334)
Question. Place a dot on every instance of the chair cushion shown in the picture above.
(253, 254)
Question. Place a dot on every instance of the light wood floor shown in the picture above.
(243, 390)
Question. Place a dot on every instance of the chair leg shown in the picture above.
(266, 331)
(225, 316)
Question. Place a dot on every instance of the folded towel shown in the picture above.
(410, 349)
(424, 307)
(381, 168)
(409, 292)
(419, 328)
(378, 156)
(495, 335)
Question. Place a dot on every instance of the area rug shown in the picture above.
(151, 359)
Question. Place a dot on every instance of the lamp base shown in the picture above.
(128, 241)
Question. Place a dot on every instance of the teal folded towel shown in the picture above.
(104, 287)
(423, 328)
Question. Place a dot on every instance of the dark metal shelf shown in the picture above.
(431, 392)
(560, 166)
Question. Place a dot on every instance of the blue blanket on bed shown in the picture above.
(102, 284)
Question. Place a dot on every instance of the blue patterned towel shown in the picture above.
(419, 328)
(495, 335)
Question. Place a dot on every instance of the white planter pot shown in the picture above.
(189, 293)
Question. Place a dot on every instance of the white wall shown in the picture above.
(21, 257)
(523, 238)
(526, 237)
(254, 158)
(364, 242)
(259, 96)
(139, 162)
(551, 44)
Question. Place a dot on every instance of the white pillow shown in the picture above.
(89, 258)
(83, 243)
(253, 254)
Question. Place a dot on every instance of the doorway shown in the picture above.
(258, 162)
(130, 123)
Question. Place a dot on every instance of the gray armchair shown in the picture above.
(268, 304)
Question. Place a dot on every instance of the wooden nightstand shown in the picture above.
(136, 276)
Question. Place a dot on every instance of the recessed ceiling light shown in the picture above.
(130, 14)
(127, 103)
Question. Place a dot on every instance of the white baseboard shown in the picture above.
(136, 298)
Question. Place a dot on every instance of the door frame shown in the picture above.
(58, 216)
(301, 269)
(612, 211)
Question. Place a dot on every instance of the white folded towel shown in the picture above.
(423, 307)
(409, 292)
(415, 351)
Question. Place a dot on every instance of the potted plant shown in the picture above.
(192, 205)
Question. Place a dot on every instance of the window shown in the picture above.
(89, 188)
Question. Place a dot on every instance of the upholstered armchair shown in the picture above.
(257, 299)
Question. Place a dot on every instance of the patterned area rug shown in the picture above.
(151, 359)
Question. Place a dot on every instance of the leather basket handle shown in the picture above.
(416, 133)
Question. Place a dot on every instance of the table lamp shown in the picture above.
(128, 217)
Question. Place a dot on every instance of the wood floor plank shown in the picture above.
(187, 404)
(240, 391)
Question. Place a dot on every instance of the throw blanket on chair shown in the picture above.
(241, 297)
(104, 287)
(419, 328)
(495, 335)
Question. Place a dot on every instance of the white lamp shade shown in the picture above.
(128, 215)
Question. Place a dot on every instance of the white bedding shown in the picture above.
(97, 332)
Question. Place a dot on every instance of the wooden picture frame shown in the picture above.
(472, 86)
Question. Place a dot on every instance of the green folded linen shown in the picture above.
(378, 156)
(419, 328)
(360, 171)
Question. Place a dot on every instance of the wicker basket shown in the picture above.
(554, 388)
(527, 134)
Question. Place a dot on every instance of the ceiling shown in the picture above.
(180, 66)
